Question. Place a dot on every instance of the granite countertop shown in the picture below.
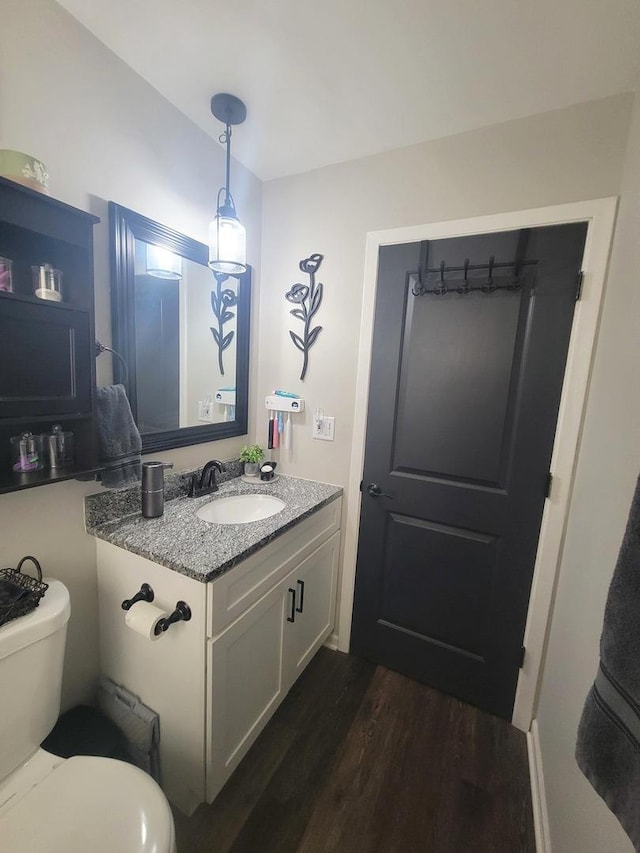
(183, 542)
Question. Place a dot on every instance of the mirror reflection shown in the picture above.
(182, 331)
(185, 342)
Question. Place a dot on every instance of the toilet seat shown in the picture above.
(90, 805)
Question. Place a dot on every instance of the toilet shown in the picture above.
(50, 804)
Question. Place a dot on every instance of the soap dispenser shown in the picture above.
(153, 488)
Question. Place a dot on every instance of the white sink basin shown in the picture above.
(240, 509)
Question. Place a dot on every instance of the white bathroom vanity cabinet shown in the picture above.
(216, 680)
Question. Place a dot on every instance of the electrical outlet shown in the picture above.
(204, 410)
(324, 428)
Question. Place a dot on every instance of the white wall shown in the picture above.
(609, 462)
(567, 155)
(104, 135)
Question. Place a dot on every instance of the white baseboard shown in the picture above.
(332, 642)
(538, 797)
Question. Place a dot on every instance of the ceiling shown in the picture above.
(334, 80)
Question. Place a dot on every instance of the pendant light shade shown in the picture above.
(227, 236)
(227, 245)
(161, 263)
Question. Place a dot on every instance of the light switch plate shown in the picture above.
(324, 429)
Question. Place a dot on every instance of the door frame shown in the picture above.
(600, 216)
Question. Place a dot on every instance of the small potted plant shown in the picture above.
(252, 455)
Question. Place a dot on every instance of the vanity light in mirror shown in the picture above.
(227, 237)
(162, 263)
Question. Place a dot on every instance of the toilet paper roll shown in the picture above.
(143, 618)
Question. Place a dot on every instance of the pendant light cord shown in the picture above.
(225, 139)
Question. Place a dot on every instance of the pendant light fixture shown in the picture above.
(227, 237)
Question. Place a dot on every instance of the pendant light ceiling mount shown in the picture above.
(228, 109)
(227, 238)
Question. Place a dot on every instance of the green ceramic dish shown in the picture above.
(24, 169)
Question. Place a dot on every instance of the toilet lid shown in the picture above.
(90, 805)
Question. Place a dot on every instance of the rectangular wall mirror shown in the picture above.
(182, 332)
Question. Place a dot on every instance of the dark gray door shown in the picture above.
(466, 376)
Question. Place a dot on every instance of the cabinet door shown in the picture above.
(46, 351)
(310, 601)
(245, 686)
(234, 592)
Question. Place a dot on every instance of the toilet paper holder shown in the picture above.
(145, 593)
(182, 613)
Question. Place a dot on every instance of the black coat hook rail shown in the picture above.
(463, 285)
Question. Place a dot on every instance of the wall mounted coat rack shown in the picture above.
(456, 279)
(465, 279)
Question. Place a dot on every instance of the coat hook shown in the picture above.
(489, 286)
(423, 269)
(419, 289)
(465, 287)
(515, 282)
(441, 288)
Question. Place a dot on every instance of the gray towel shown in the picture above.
(139, 723)
(608, 745)
(118, 438)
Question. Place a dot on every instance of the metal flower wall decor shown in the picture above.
(221, 301)
(308, 298)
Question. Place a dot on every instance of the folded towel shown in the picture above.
(608, 744)
(139, 723)
(118, 438)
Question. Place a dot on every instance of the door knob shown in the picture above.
(376, 492)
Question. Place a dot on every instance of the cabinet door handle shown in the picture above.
(292, 618)
(301, 608)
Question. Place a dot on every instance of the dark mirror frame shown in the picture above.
(125, 228)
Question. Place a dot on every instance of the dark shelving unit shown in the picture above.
(47, 356)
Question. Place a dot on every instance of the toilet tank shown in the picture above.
(31, 657)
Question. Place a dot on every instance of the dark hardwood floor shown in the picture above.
(359, 759)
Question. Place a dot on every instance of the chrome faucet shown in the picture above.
(206, 483)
